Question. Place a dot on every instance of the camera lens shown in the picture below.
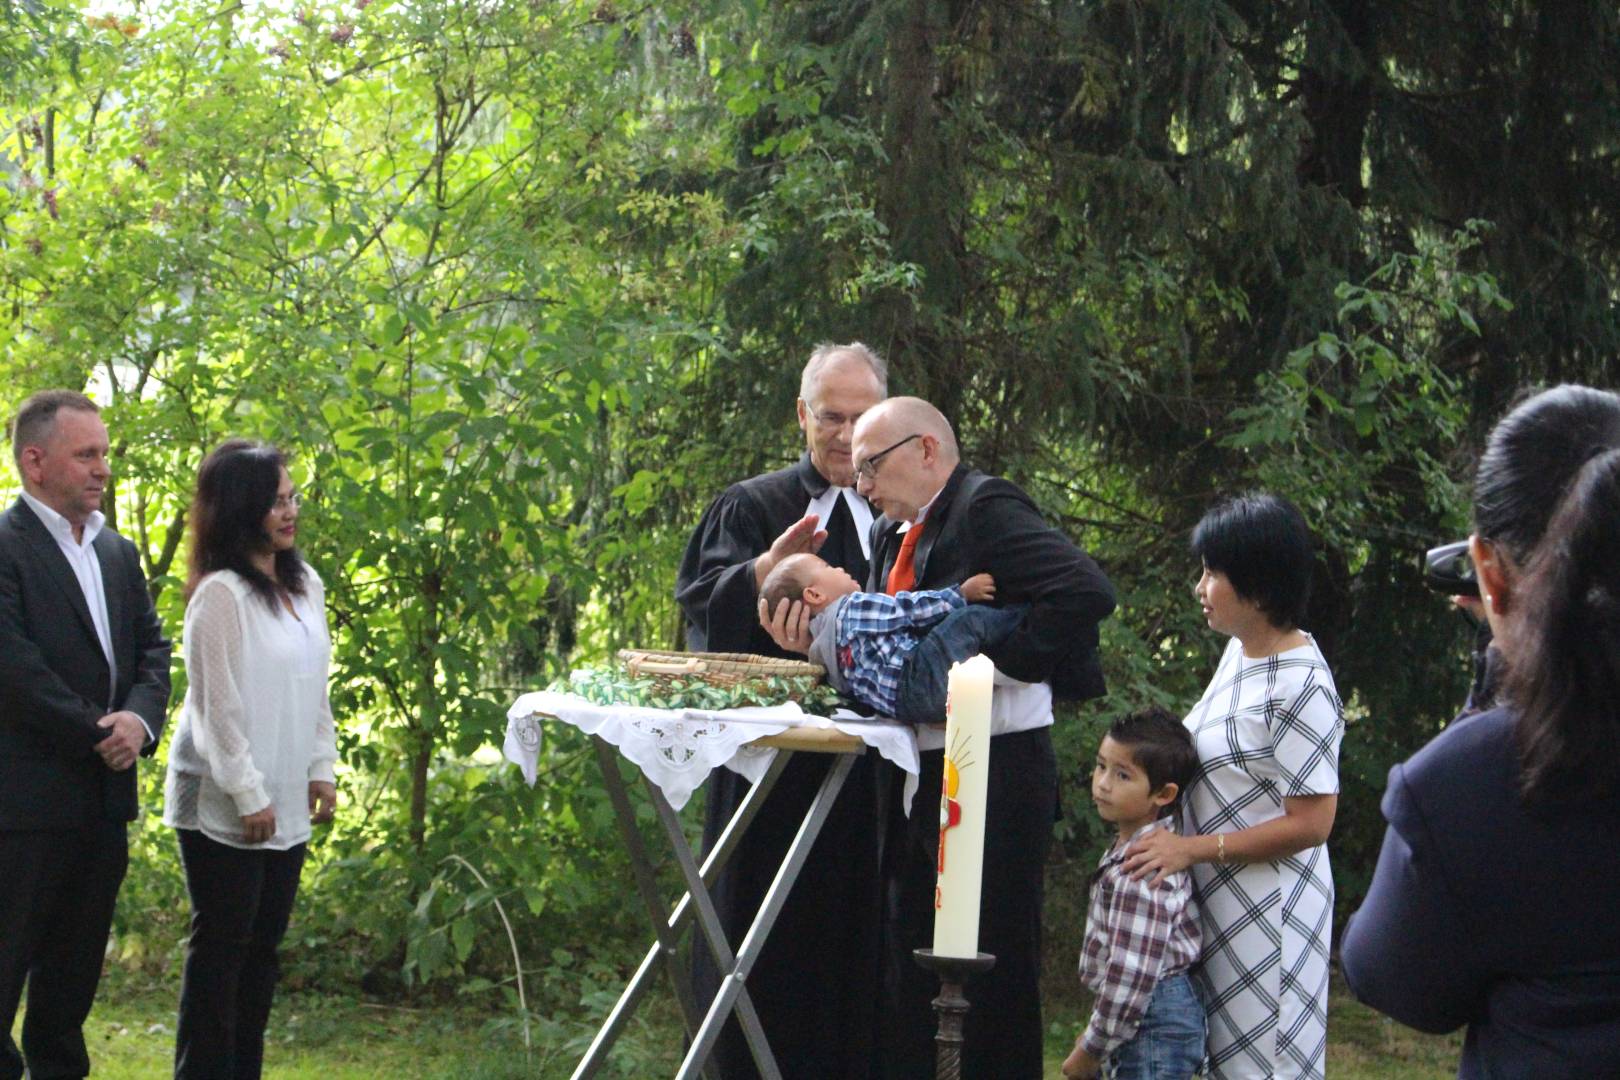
(1449, 570)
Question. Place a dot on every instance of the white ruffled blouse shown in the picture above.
(256, 727)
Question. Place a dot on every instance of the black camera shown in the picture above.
(1449, 570)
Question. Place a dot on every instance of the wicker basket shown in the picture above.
(718, 669)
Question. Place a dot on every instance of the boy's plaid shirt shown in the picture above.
(1136, 934)
(875, 631)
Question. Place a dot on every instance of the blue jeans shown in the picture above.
(963, 633)
(1170, 1043)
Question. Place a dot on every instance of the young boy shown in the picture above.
(1140, 939)
(891, 653)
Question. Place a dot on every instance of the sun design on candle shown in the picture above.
(950, 811)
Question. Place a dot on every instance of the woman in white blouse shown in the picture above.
(250, 768)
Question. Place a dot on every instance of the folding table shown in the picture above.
(704, 1020)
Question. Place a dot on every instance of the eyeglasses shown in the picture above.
(831, 421)
(284, 501)
(867, 470)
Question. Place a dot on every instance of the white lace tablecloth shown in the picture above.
(676, 748)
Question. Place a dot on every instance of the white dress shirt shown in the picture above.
(81, 556)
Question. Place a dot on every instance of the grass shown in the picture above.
(332, 1037)
(1362, 1045)
(132, 1036)
(343, 1037)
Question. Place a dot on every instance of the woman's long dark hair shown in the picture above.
(1564, 677)
(236, 488)
(1535, 498)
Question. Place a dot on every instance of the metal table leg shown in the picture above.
(733, 994)
(668, 927)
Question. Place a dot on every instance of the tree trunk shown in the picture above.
(919, 201)
(1336, 84)
(420, 760)
(427, 710)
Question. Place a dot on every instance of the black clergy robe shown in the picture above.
(816, 983)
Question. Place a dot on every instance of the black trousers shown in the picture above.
(241, 901)
(57, 892)
(1002, 1034)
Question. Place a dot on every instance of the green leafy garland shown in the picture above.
(614, 686)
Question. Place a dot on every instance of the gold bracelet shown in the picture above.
(1220, 847)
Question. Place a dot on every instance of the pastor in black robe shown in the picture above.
(816, 983)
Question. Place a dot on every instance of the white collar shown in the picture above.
(922, 512)
(859, 510)
(61, 528)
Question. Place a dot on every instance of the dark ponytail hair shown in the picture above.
(1530, 459)
(1537, 496)
(1564, 677)
(236, 489)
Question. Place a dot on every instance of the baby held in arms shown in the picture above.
(894, 653)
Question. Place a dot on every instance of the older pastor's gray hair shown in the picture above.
(827, 352)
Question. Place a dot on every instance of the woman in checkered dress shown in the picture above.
(1255, 819)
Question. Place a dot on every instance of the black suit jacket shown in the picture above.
(54, 680)
(981, 523)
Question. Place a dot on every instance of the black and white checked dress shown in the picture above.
(1265, 729)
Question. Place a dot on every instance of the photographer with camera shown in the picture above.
(1493, 901)
(1449, 570)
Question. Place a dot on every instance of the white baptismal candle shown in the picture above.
(961, 808)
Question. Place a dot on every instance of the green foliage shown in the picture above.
(1362, 427)
(1357, 424)
(415, 249)
(608, 686)
(524, 285)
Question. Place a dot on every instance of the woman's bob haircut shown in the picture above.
(1261, 545)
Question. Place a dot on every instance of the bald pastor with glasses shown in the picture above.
(942, 523)
(822, 959)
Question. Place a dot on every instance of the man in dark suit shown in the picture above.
(941, 523)
(84, 684)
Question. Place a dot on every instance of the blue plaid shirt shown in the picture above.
(876, 631)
